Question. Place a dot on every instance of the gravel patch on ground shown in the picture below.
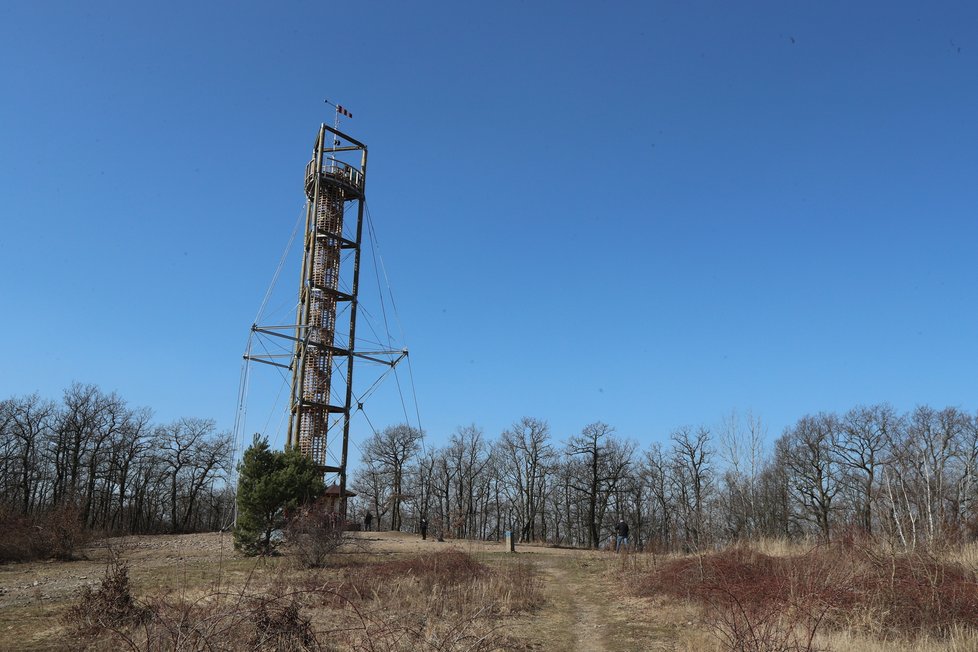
(51, 581)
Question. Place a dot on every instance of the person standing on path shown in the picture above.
(423, 525)
(621, 530)
(367, 519)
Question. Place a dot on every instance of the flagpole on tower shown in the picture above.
(340, 110)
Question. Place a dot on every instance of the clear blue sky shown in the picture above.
(644, 213)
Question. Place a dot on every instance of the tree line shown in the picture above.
(910, 477)
(94, 453)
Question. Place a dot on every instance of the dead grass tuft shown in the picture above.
(960, 639)
(775, 547)
(966, 555)
(443, 601)
(111, 607)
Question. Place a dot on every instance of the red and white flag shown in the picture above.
(342, 111)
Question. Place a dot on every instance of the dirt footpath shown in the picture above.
(588, 610)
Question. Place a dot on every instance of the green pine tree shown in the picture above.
(271, 486)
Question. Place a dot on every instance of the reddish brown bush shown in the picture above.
(918, 592)
(449, 567)
(755, 602)
(778, 603)
(446, 569)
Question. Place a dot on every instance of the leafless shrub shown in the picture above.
(216, 621)
(15, 537)
(280, 625)
(60, 533)
(916, 593)
(758, 602)
(56, 534)
(313, 538)
(111, 607)
(446, 601)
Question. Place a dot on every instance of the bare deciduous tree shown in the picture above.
(806, 453)
(693, 481)
(525, 454)
(390, 451)
(598, 465)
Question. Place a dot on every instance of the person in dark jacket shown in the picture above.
(423, 526)
(367, 519)
(621, 540)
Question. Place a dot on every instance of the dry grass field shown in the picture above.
(392, 591)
